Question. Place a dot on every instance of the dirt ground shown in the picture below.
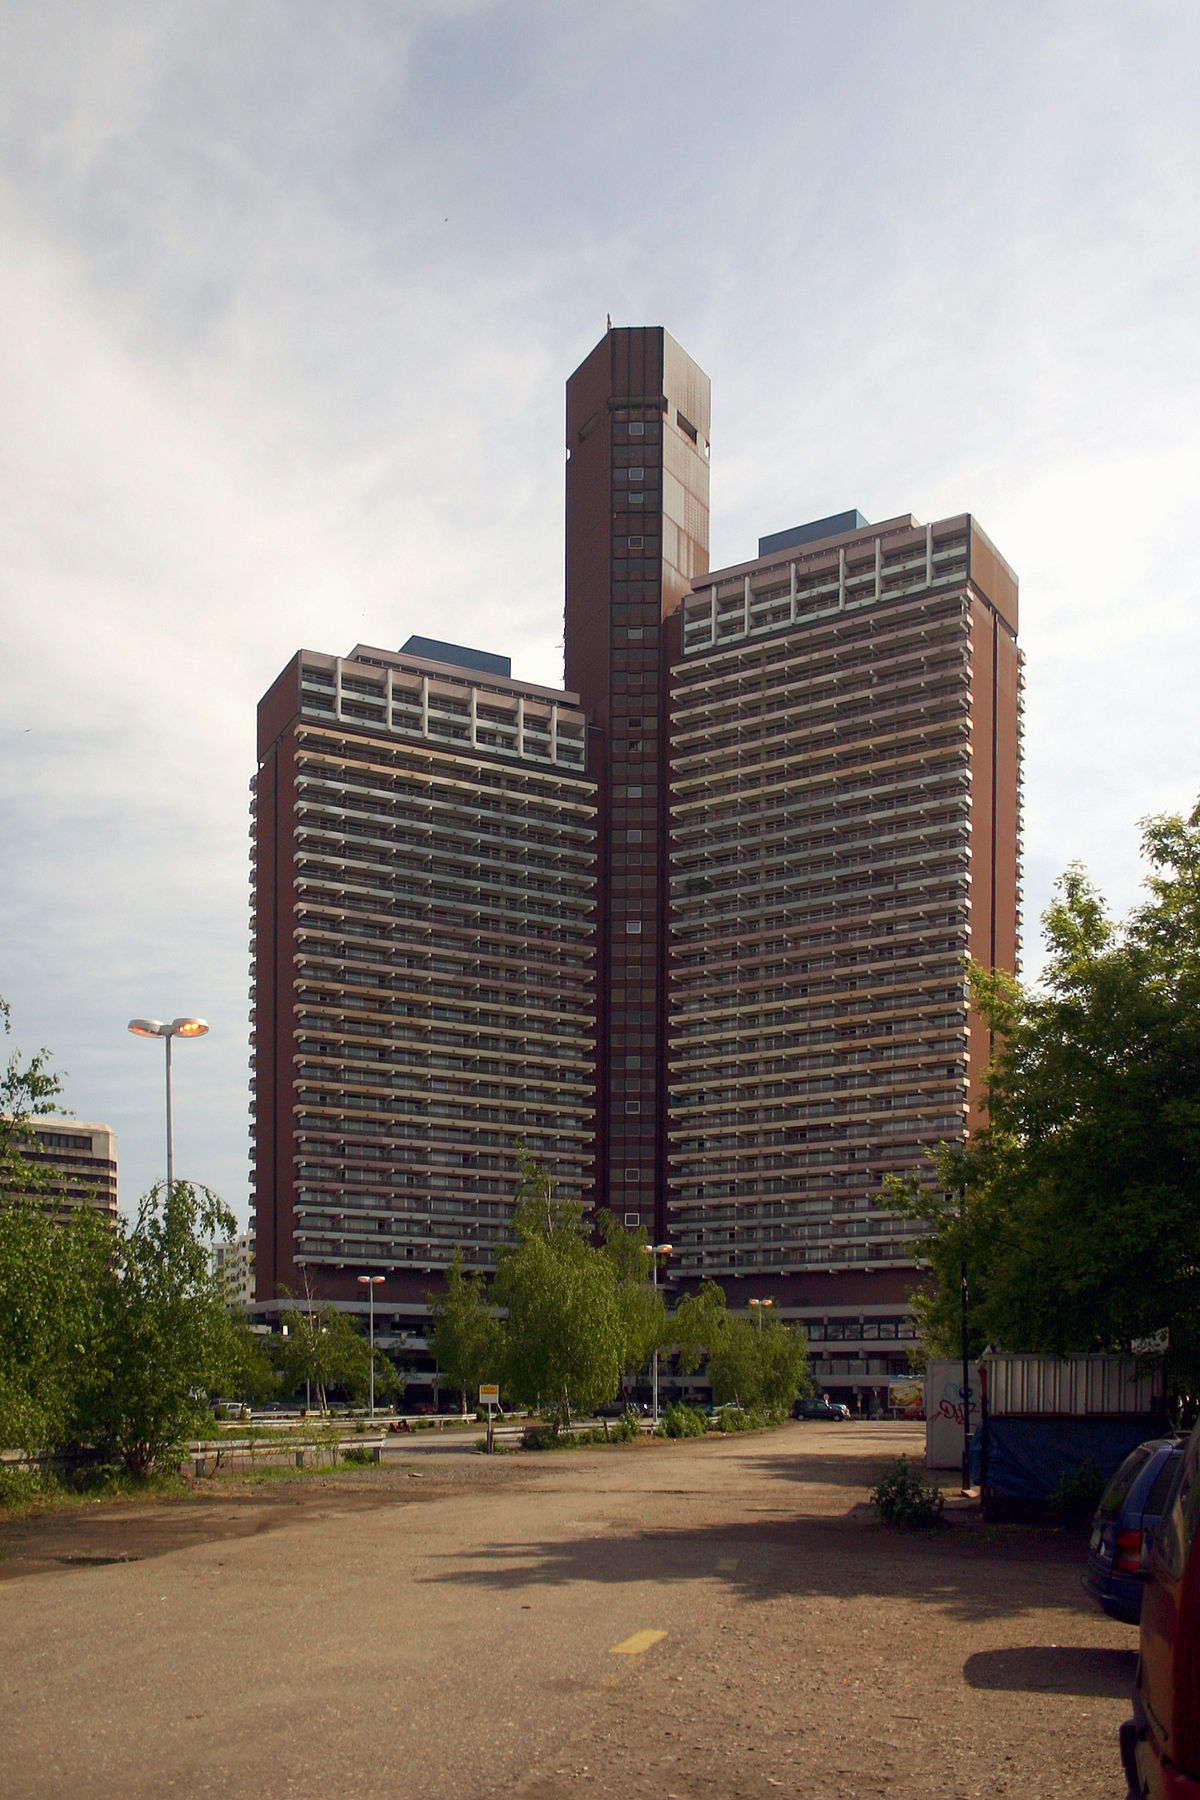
(688, 1620)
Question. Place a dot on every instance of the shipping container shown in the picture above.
(1077, 1387)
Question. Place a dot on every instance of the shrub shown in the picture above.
(1078, 1494)
(20, 1487)
(358, 1454)
(902, 1497)
(681, 1421)
(627, 1429)
(538, 1437)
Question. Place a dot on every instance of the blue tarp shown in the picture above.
(1028, 1458)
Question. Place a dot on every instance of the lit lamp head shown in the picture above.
(186, 1028)
(148, 1028)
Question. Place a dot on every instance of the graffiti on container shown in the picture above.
(950, 1406)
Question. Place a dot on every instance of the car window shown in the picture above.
(1183, 1512)
(1160, 1487)
(1114, 1494)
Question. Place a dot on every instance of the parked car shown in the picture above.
(1124, 1524)
(1160, 1745)
(820, 1409)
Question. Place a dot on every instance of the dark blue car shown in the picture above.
(1124, 1525)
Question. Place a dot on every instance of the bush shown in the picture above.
(902, 1497)
(681, 1421)
(746, 1418)
(1078, 1494)
(627, 1429)
(539, 1437)
(20, 1487)
(359, 1455)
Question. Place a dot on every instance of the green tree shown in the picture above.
(52, 1279)
(697, 1323)
(253, 1376)
(324, 1351)
(165, 1344)
(564, 1337)
(1077, 1201)
(761, 1365)
(640, 1304)
(28, 1086)
(466, 1337)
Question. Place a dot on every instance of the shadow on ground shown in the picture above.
(1054, 1669)
(968, 1572)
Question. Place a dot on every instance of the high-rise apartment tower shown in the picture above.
(694, 929)
(424, 834)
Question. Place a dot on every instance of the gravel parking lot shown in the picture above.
(714, 1618)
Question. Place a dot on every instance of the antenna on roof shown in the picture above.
(608, 316)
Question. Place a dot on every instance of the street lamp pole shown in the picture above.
(185, 1028)
(758, 1305)
(654, 1251)
(966, 1375)
(371, 1282)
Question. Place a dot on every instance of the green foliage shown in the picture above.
(627, 1429)
(27, 1087)
(253, 1376)
(112, 1334)
(742, 1418)
(358, 1455)
(902, 1497)
(1081, 1225)
(325, 1351)
(565, 1335)
(697, 1323)
(539, 1437)
(643, 1314)
(1078, 1493)
(21, 1487)
(761, 1366)
(166, 1342)
(54, 1278)
(466, 1338)
(680, 1421)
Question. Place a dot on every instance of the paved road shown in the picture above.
(677, 1620)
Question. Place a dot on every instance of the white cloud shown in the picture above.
(290, 293)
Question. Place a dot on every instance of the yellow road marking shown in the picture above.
(641, 1640)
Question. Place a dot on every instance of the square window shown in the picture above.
(632, 1219)
(637, 428)
(637, 474)
(633, 1106)
(631, 1174)
(633, 927)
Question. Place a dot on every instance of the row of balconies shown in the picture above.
(822, 620)
(828, 764)
(880, 683)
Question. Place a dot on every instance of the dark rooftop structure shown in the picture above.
(812, 533)
(459, 656)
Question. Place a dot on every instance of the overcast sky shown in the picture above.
(289, 293)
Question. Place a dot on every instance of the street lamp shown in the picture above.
(655, 1251)
(760, 1304)
(371, 1282)
(184, 1028)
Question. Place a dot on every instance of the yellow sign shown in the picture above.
(489, 1393)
